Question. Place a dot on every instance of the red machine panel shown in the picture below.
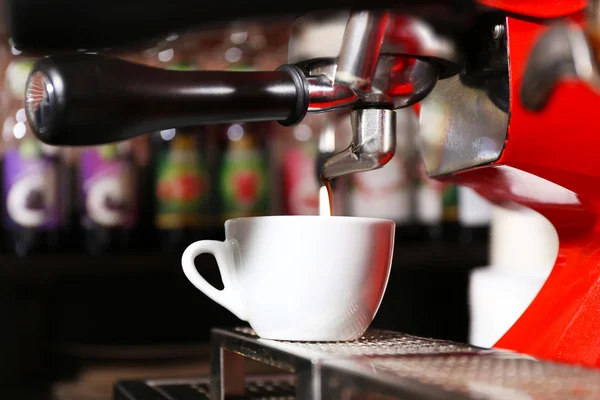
(538, 8)
(551, 164)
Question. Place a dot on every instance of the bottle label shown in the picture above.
(182, 187)
(108, 187)
(450, 203)
(382, 193)
(300, 182)
(31, 186)
(244, 189)
(429, 198)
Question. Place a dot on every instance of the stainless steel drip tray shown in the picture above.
(271, 387)
(474, 376)
(372, 343)
(390, 365)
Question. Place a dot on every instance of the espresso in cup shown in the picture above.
(300, 278)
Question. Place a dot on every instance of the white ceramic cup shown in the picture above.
(305, 278)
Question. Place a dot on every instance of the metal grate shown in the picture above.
(270, 390)
(454, 368)
(379, 343)
(494, 377)
(280, 387)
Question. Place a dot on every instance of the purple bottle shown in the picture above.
(108, 184)
(35, 177)
(35, 194)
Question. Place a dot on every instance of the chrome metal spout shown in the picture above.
(360, 49)
(373, 143)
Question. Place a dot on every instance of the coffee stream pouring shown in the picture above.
(487, 78)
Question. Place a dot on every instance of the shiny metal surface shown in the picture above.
(562, 52)
(405, 80)
(460, 128)
(479, 376)
(373, 143)
(320, 36)
(39, 100)
(360, 47)
(347, 381)
(390, 365)
(498, 32)
(327, 136)
(400, 81)
(306, 361)
(404, 72)
(411, 59)
(409, 36)
(489, 376)
(263, 386)
(324, 93)
(379, 343)
(267, 387)
(326, 150)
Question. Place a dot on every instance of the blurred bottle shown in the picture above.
(300, 189)
(237, 48)
(474, 215)
(428, 203)
(175, 52)
(268, 54)
(109, 188)
(142, 154)
(450, 224)
(244, 179)
(184, 189)
(275, 50)
(112, 186)
(183, 160)
(5, 56)
(35, 178)
(387, 192)
(244, 171)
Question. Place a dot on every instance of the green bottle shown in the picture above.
(243, 173)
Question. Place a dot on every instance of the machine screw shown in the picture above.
(498, 32)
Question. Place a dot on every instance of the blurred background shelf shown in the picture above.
(42, 268)
(144, 300)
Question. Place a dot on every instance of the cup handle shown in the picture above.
(220, 250)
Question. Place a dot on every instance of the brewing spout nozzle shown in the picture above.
(373, 143)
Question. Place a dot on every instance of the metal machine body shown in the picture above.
(478, 127)
(380, 365)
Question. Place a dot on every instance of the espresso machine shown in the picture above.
(505, 93)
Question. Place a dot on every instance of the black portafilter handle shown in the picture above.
(85, 99)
